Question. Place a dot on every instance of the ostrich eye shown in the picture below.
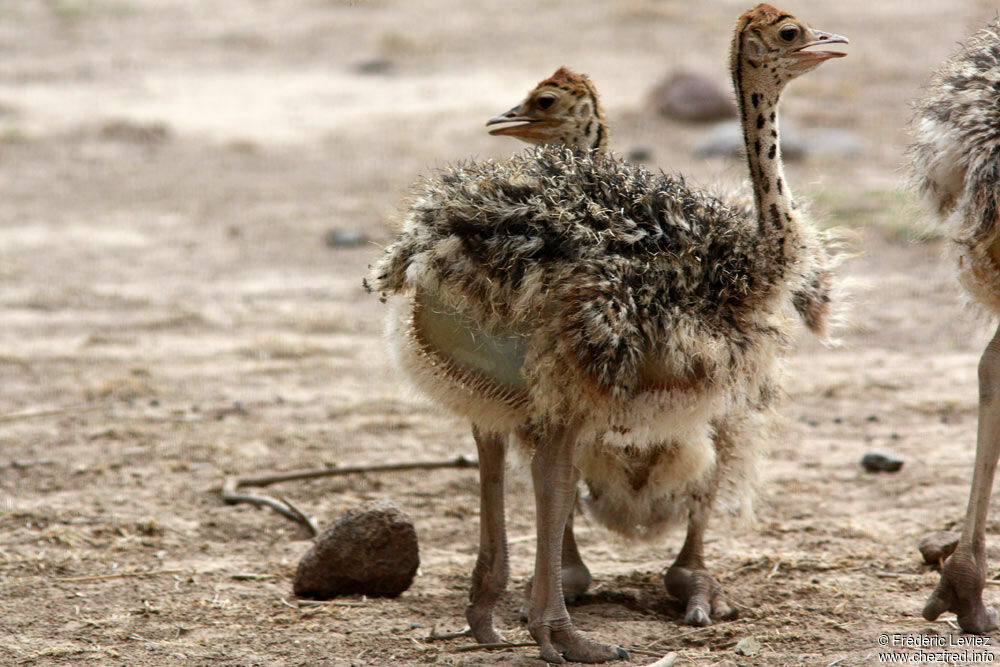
(788, 33)
(546, 101)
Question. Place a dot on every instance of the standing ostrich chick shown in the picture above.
(565, 109)
(567, 297)
(955, 164)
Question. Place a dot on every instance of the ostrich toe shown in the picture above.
(702, 594)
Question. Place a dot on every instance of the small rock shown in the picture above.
(880, 460)
(937, 547)
(689, 96)
(345, 238)
(725, 139)
(135, 132)
(640, 154)
(371, 550)
(373, 66)
(748, 646)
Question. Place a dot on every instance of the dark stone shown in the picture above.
(937, 547)
(373, 66)
(372, 550)
(640, 154)
(345, 238)
(880, 460)
(688, 96)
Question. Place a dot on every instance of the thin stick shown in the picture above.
(432, 637)
(329, 603)
(282, 506)
(21, 465)
(267, 480)
(33, 414)
(116, 575)
(490, 647)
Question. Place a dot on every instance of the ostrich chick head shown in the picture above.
(563, 109)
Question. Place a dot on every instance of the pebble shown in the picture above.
(881, 460)
(640, 154)
(686, 95)
(371, 550)
(748, 646)
(373, 66)
(345, 238)
(938, 546)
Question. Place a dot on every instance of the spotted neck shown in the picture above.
(758, 89)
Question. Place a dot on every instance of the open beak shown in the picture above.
(816, 57)
(515, 115)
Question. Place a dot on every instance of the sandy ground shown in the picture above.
(168, 171)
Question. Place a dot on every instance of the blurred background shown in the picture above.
(190, 194)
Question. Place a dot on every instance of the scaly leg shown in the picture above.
(688, 579)
(554, 478)
(575, 574)
(489, 578)
(961, 586)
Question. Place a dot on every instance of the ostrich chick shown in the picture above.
(955, 163)
(600, 313)
(565, 109)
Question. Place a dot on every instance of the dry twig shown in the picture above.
(267, 480)
(116, 575)
(433, 636)
(491, 647)
(282, 506)
(285, 508)
(34, 414)
(21, 465)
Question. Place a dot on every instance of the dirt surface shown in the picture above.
(170, 314)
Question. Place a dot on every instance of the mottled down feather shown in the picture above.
(606, 258)
(955, 159)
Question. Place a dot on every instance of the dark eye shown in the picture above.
(789, 33)
(546, 101)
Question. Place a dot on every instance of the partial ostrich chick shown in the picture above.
(565, 109)
(955, 164)
(601, 313)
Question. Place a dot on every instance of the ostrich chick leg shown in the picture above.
(962, 578)
(575, 574)
(489, 578)
(554, 478)
(688, 579)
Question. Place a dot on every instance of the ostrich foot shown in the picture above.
(560, 642)
(700, 592)
(481, 623)
(960, 590)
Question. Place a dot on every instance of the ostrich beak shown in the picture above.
(515, 115)
(815, 57)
